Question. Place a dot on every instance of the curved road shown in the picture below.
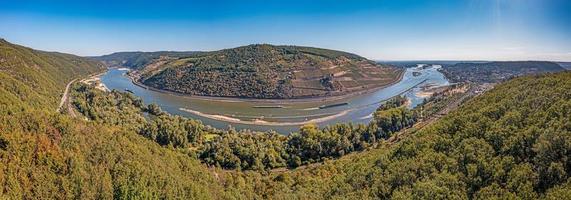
(64, 96)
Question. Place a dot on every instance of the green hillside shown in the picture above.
(267, 71)
(47, 155)
(513, 142)
(36, 79)
(138, 60)
(510, 143)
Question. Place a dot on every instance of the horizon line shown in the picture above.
(373, 59)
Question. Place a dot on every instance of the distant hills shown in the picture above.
(257, 71)
(138, 59)
(268, 71)
(566, 65)
(492, 72)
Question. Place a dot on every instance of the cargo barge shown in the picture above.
(333, 105)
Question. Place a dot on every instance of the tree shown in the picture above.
(154, 109)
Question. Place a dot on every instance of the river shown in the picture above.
(283, 117)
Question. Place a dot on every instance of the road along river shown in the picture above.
(281, 116)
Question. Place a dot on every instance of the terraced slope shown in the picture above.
(267, 71)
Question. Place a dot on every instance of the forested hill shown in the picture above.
(32, 78)
(138, 60)
(49, 155)
(267, 71)
(512, 142)
(566, 65)
(492, 72)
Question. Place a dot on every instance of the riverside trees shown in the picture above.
(244, 150)
(511, 142)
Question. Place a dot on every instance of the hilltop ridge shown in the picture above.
(138, 59)
(268, 72)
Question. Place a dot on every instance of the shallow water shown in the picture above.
(242, 114)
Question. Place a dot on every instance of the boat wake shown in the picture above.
(367, 117)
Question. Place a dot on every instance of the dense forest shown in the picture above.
(245, 150)
(49, 155)
(512, 142)
(267, 71)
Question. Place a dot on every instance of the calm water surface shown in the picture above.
(241, 114)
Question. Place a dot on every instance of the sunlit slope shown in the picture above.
(268, 71)
(137, 59)
(512, 142)
(36, 79)
(47, 155)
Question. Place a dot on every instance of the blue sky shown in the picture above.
(376, 29)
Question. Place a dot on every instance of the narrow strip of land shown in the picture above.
(262, 122)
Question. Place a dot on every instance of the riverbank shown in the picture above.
(265, 123)
(361, 105)
(258, 120)
(273, 101)
(96, 80)
(65, 97)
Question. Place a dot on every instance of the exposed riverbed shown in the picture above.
(282, 116)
